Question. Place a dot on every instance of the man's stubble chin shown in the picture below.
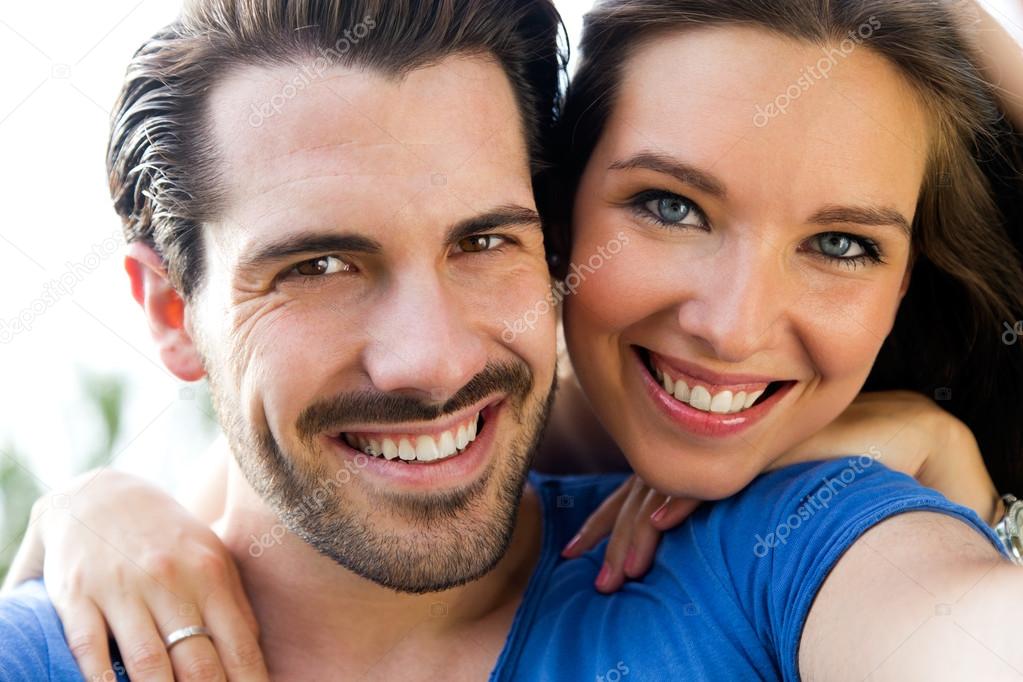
(408, 543)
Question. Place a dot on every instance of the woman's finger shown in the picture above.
(196, 659)
(86, 635)
(673, 512)
(645, 537)
(236, 643)
(193, 658)
(140, 643)
(600, 522)
(611, 575)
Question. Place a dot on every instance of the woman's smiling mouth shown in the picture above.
(706, 403)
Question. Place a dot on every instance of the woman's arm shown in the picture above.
(122, 557)
(921, 596)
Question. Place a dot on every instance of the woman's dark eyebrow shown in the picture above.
(862, 215)
(683, 172)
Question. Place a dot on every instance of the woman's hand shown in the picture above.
(119, 555)
(904, 430)
(635, 515)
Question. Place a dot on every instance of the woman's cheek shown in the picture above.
(844, 328)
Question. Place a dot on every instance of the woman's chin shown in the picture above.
(695, 474)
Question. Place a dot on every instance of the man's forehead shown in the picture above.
(357, 151)
(284, 123)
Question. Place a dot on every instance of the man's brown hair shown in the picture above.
(162, 163)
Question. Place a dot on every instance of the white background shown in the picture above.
(63, 62)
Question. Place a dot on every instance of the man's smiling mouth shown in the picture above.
(418, 447)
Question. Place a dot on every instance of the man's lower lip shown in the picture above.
(706, 424)
(446, 473)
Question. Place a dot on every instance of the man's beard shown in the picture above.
(448, 538)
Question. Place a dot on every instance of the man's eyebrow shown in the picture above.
(862, 215)
(306, 242)
(503, 216)
(683, 172)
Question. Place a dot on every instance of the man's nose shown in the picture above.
(422, 340)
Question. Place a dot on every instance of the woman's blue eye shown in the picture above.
(670, 209)
(837, 245)
(845, 248)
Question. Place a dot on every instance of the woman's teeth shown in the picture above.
(725, 402)
(419, 448)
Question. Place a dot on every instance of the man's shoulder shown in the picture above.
(32, 645)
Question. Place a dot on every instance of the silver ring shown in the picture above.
(184, 633)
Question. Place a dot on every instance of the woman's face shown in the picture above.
(738, 264)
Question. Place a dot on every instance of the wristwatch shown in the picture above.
(1008, 529)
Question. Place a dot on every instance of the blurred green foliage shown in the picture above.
(104, 398)
(19, 488)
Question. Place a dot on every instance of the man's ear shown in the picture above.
(165, 311)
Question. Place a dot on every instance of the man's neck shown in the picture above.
(317, 617)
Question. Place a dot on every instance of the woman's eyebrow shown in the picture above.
(683, 172)
(862, 215)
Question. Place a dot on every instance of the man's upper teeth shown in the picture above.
(421, 448)
(725, 402)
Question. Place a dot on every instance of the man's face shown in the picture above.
(378, 237)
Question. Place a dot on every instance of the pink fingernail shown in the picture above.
(659, 513)
(569, 550)
(604, 577)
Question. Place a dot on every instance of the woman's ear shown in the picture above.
(165, 311)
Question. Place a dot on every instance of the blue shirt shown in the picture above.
(725, 600)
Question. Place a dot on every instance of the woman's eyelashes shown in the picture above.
(668, 209)
(671, 210)
(845, 249)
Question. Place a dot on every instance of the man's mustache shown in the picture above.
(367, 407)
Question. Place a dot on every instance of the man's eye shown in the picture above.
(481, 242)
(324, 265)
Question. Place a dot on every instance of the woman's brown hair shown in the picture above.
(967, 282)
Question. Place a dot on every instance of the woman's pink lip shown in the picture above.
(706, 424)
(705, 376)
